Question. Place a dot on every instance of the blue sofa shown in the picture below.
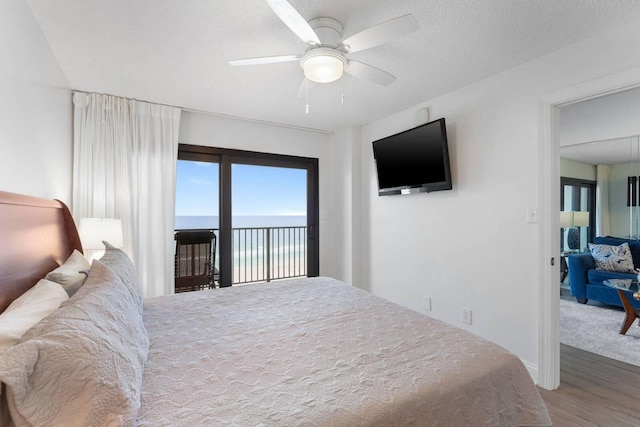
(586, 282)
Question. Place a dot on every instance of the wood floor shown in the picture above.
(594, 391)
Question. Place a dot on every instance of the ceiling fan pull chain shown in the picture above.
(342, 94)
(307, 95)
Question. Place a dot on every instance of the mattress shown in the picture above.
(318, 352)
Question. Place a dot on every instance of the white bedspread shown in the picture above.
(317, 352)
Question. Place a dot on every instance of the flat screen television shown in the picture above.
(414, 161)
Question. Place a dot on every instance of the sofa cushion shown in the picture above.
(612, 258)
(634, 245)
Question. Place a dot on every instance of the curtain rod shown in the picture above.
(221, 115)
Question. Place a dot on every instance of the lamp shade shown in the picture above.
(580, 219)
(566, 219)
(94, 230)
(574, 219)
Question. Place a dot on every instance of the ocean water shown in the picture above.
(240, 221)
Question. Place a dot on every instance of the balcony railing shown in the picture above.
(263, 254)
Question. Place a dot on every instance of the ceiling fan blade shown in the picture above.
(265, 60)
(369, 73)
(294, 21)
(381, 33)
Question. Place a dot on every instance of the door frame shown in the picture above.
(549, 199)
(226, 157)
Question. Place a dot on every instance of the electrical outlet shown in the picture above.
(466, 316)
(427, 303)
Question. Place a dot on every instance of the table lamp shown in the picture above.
(94, 230)
(572, 220)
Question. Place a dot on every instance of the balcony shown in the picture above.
(263, 254)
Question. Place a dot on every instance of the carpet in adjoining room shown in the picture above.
(595, 329)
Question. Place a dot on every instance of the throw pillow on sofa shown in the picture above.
(634, 245)
(612, 258)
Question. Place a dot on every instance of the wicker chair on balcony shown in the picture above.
(195, 257)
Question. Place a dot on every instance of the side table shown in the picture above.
(631, 313)
(623, 287)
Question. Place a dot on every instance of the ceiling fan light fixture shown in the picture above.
(323, 65)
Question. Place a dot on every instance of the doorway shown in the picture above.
(549, 360)
(262, 207)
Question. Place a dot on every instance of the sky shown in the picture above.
(256, 190)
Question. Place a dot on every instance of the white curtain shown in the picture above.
(124, 166)
(602, 200)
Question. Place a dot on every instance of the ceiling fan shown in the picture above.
(325, 59)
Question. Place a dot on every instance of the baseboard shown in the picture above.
(533, 371)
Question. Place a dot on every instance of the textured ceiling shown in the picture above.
(176, 52)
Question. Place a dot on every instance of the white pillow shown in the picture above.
(72, 273)
(31, 307)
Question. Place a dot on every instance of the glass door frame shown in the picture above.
(226, 158)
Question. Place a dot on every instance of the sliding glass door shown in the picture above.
(264, 209)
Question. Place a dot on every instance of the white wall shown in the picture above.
(345, 214)
(35, 110)
(342, 192)
(215, 131)
(472, 246)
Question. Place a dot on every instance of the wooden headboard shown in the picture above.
(36, 236)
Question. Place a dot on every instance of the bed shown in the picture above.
(312, 351)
